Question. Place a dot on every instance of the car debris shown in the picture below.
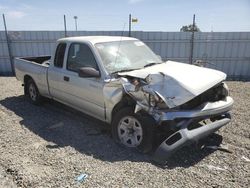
(212, 167)
(224, 148)
(57, 125)
(81, 178)
(245, 158)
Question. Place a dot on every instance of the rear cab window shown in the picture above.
(59, 56)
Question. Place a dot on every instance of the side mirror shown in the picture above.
(85, 72)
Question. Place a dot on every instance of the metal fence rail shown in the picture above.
(225, 51)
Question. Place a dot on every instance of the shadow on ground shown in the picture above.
(62, 126)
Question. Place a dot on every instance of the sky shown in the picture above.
(152, 15)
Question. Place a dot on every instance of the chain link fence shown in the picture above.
(225, 51)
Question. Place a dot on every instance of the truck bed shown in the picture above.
(39, 59)
(36, 68)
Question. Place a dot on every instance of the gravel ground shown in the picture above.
(50, 145)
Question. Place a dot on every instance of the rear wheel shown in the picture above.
(133, 130)
(33, 93)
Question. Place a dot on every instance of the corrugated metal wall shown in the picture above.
(226, 51)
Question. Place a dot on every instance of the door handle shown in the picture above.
(66, 78)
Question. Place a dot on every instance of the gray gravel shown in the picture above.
(50, 145)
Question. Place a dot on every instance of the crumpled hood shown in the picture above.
(177, 83)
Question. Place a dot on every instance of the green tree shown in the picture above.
(189, 28)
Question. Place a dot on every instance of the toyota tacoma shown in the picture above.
(119, 80)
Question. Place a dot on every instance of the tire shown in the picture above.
(33, 93)
(133, 130)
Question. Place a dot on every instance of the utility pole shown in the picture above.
(9, 47)
(75, 17)
(65, 28)
(129, 26)
(192, 42)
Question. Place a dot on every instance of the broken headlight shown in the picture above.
(221, 91)
(156, 101)
(225, 89)
(153, 100)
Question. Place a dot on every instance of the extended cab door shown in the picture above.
(85, 94)
(55, 72)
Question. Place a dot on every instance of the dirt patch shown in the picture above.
(51, 145)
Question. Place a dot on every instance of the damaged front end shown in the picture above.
(191, 112)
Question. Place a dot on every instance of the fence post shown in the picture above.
(9, 47)
(65, 27)
(129, 26)
(192, 42)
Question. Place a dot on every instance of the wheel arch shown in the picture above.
(25, 81)
(126, 101)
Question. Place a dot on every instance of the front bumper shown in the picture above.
(207, 109)
(185, 136)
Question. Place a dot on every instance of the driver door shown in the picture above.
(85, 94)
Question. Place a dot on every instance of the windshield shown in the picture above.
(125, 55)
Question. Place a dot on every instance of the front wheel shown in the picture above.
(133, 130)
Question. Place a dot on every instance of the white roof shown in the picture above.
(96, 39)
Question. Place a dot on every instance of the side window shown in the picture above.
(59, 56)
(80, 55)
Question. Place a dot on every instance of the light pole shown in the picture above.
(75, 17)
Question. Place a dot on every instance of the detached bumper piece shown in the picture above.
(185, 136)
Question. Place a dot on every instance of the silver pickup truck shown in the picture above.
(119, 80)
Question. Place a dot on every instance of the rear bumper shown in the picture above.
(184, 136)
